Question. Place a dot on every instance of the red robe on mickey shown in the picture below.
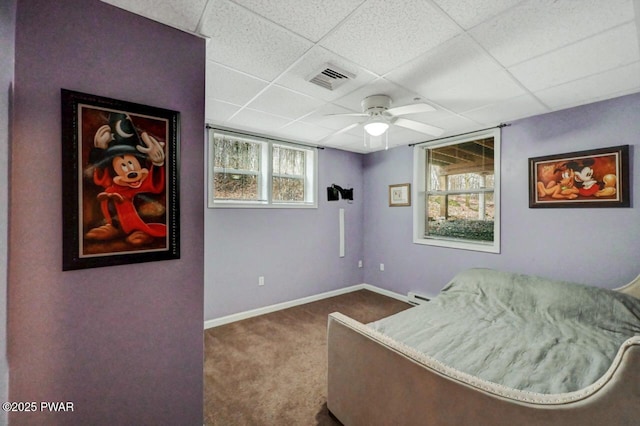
(129, 219)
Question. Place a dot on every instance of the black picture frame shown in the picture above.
(120, 182)
(591, 178)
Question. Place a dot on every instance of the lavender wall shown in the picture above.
(7, 31)
(590, 245)
(123, 343)
(296, 250)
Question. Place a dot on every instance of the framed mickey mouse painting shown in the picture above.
(119, 182)
(593, 178)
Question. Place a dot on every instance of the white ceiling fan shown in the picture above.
(380, 116)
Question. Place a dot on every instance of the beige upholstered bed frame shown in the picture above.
(374, 380)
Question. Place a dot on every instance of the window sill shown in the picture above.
(258, 205)
(461, 245)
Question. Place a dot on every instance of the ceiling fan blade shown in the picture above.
(410, 109)
(348, 114)
(336, 133)
(418, 127)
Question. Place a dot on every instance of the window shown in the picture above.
(457, 182)
(252, 171)
(288, 177)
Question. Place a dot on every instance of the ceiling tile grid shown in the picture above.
(327, 117)
(284, 102)
(469, 13)
(477, 62)
(256, 121)
(298, 130)
(608, 50)
(384, 34)
(536, 27)
(612, 83)
(507, 109)
(459, 76)
(311, 19)
(239, 88)
(218, 112)
(247, 42)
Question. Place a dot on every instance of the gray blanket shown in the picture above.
(521, 331)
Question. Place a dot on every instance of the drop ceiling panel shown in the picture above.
(539, 26)
(347, 140)
(303, 132)
(476, 91)
(257, 121)
(469, 13)
(219, 112)
(593, 88)
(402, 136)
(431, 117)
(225, 84)
(457, 75)
(183, 14)
(284, 102)
(324, 117)
(311, 19)
(446, 65)
(355, 147)
(358, 149)
(382, 35)
(249, 43)
(509, 109)
(297, 77)
(478, 62)
(456, 124)
(606, 51)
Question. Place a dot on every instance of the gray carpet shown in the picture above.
(272, 369)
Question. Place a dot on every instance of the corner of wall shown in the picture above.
(7, 39)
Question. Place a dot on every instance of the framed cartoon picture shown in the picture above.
(593, 178)
(400, 195)
(119, 182)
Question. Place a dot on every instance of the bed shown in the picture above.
(518, 349)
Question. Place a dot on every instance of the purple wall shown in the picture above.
(123, 343)
(296, 250)
(590, 245)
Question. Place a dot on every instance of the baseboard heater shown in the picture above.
(417, 298)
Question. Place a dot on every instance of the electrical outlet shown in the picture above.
(382, 266)
(261, 280)
(359, 263)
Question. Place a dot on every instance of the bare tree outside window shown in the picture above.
(254, 171)
(288, 174)
(236, 169)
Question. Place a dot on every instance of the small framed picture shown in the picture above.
(120, 182)
(593, 178)
(400, 195)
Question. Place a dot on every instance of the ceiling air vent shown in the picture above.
(331, 77)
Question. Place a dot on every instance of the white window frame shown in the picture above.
(307, 177)
(265, 176)
(420, 194)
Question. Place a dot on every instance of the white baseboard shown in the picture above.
(384, 292)
(216, 322)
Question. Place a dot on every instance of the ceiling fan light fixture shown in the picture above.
(380, 117)
(376, 126)
(373, 142)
